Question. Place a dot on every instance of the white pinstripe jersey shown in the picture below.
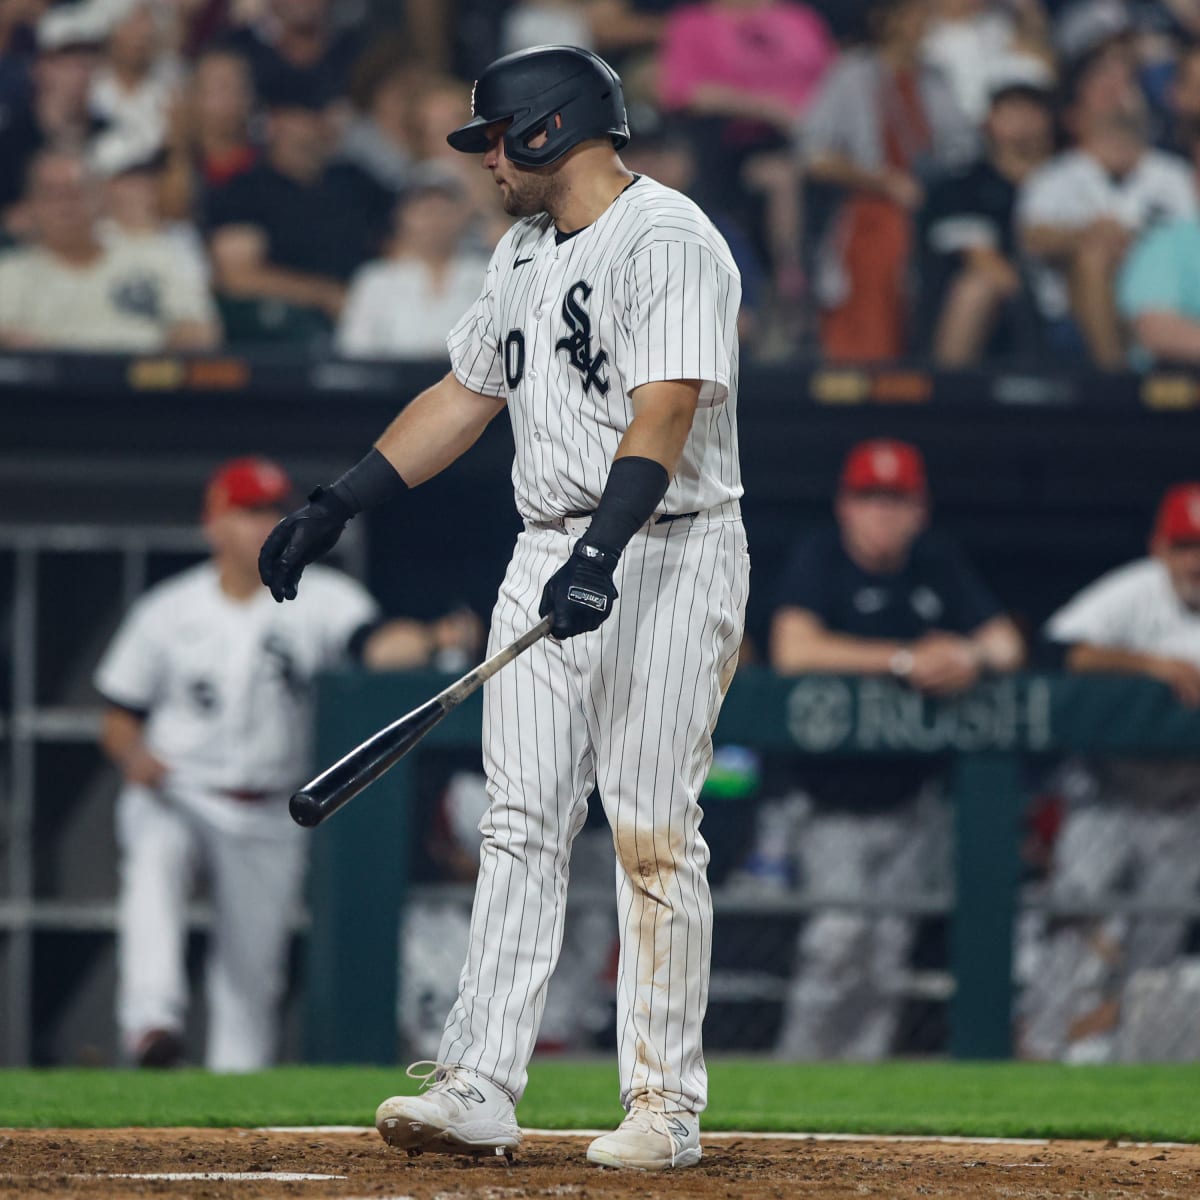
(565, 329)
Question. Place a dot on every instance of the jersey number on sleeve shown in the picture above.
(514, 358)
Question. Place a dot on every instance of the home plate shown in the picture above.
(223, 1176)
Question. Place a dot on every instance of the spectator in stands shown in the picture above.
(744, 72)
(18, 19)
(297, 49)
(1184, 102)
(405, 305)
(377, 138)
(883, 126)
(1158, 292)
(1136, 835)
(545, 23)
(208, 139)
(287, 231)
(877, 595)
(136, 81)
(133, 208)
(972, 278)
(72, 290)
(1079, 214)
(975, 42)
(667, 154)
(442, 105)
(57, 114)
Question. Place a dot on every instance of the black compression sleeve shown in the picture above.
(634, 488)
(368, 483)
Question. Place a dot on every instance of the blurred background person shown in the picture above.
(378, 136)
(133, 210)
(72, 289)
(972, 285)
(1158, 292)
(441, 105)
(743, 73)
(1079, 214)
(879, 594)
(137, 78)
(1134, 834)
(974, 42)
(667, 154)
(883, 126)
(207, 691)
(57, 112)
(296, 47)
(404, 305)
(288, 231)
(208, 141)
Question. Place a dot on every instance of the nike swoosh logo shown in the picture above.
(521, 262)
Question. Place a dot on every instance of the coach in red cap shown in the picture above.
(881, 594)
(875, 594)
(1132, 833)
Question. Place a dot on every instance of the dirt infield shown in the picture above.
(86, 1165)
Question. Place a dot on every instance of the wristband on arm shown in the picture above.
(367, 484)
(634, 489)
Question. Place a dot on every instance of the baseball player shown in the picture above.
(207, 691)
(1137, 828)
(607, 327)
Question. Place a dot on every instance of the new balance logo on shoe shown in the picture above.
(470, 1093)
(678, 1128)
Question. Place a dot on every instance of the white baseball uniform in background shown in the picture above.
(566, 328)
(1134, 828)
(225, 689)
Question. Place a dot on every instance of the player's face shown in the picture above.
(524, 191)
(1182, 561)
(880, 527)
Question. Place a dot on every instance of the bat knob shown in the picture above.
(305, 810)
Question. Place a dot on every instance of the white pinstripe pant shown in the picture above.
(630, 707)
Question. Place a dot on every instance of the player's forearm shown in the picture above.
(840, 171)
(831, 653)
(1086, 657)
(1054, 242)
(265, 282)
(441, 424)
(1169, 335)
(120, 735)
(999, 645)
(193, 335)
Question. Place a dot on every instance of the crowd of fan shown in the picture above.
(968, 180)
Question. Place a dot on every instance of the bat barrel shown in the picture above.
(339, 784)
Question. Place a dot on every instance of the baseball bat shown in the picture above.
(338, 785)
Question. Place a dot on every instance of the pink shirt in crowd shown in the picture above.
(779, 49)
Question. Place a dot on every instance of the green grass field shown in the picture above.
(1151, 1103)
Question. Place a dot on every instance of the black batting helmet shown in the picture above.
(531, 88)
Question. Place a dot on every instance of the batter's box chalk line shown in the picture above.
(758, 1136)
(219, 1176)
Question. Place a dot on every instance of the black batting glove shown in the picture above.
(300, 538)
(580, 594)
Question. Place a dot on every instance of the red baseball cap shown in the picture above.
(1178, 517)
(247, 483)
(884, 465)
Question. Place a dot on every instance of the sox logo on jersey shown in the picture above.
(578, 343)
(566, 328)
